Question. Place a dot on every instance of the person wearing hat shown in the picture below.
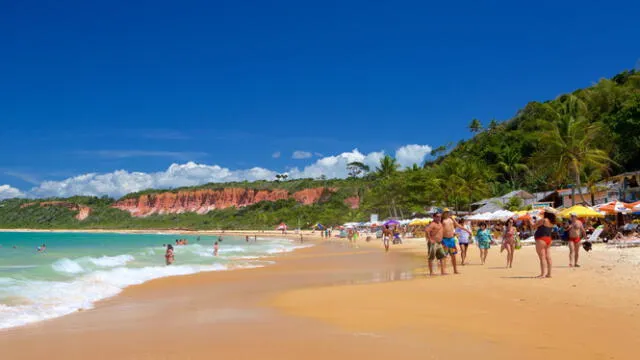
(576, 233)
(449, 227)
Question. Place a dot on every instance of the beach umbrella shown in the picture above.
(580, 211)
(614, 207)
(282, 226)
(319, 226)
(392, 222)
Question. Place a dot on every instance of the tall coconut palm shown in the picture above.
(570, 144)
(509, 162)
(388, 167)
(475, 126)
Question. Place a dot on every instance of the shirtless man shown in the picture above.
(449, 227)
(433, 233)
(576, 233)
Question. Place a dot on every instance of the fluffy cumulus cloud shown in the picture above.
(298, 154)
(412, 154)
(121, 182)
(8, 192)
(336, 166)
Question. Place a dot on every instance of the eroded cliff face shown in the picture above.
(203, 201)
(83, 211)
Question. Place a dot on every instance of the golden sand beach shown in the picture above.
(339, 302)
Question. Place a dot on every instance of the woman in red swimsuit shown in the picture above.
(544, 228)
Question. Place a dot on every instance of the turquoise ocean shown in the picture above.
(78, 269)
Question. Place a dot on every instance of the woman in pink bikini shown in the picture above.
(509, 241)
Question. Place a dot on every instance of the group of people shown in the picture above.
(444, 235)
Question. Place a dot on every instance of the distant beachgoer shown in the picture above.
(198, 239)
(433, 234)
(483, 238)
(463, 239)
(215, 249)
(301, 240)
(219, 238)
(576, 233)
(509, 241)
(386, 236)
(544, 228)
(246, 238)
(168, 256)
(255, 238)
(449, 226)
(42, 248)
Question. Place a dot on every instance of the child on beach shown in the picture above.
(215, 249)
(483, 238)
(168, 256)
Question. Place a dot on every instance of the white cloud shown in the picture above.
(8, 192)
(276, 155)
(336, 166)
(298, 154)
(412, 154)
(121, 182)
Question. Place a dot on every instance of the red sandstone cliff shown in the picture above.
(83, 211)
(203, 201)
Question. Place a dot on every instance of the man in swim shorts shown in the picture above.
(433, 234)
(449, 226)
(576, 233)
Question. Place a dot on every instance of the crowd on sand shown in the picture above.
(447, 236)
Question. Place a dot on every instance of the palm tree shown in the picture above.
(570, 143)
(493, 125)
(475, 126)
(388, 167)
(509, 162)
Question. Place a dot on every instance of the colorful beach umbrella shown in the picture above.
(392, 222)
(614, 207)
(581, 212)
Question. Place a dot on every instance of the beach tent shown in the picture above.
(581, 212)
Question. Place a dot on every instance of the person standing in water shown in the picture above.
(463, 239)
(544, 228)
(449, 226)
(433, 234)
(509, 241)
(576, 234)
(168, 256)
(215, 249)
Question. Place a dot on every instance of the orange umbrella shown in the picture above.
(632, 205)
(614, 207)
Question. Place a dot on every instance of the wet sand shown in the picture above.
(333, 301)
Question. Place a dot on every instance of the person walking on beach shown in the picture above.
(484, 238)
(215, 249)
(463, 239)
(544, 228)
(449, 226)
(509, 241)
(386, 237)
(168, 256)
(433, 234)
(576, 234)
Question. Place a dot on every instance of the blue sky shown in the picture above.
(95, 87)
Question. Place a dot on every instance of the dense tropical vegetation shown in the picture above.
(576, 139)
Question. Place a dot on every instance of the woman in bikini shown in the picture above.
(544, 228)
(168, 256)
(509, 241)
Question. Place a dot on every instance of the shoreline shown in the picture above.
(334, 300)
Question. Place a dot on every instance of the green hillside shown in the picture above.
(578, 138)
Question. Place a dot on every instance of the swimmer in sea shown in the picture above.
(215, 249)
(168, 256)
(42, 248)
